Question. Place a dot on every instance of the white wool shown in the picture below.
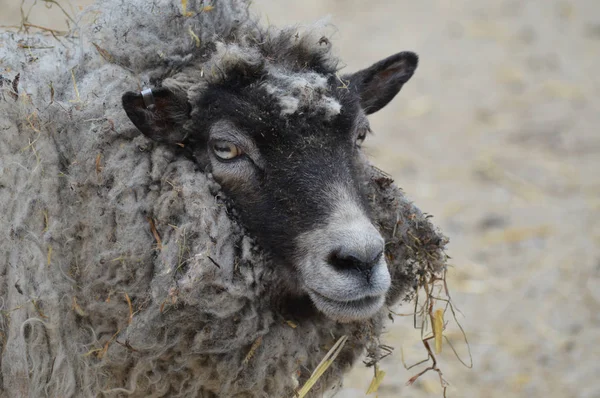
(302, 91)
(90, 302)
(227, 57)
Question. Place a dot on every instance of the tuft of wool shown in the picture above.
(121, 270)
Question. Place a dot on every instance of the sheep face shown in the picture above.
(286, 147)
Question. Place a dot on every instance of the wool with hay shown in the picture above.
(126, 267)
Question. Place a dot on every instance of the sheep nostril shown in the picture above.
(346, 260)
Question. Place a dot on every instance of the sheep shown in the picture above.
(187, 210)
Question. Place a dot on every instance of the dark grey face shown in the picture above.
(285, 146)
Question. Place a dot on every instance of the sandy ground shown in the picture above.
(496, 135)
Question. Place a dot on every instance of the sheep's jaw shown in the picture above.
(347, 311)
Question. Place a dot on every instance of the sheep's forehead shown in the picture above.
(301, 92)
(277, 68)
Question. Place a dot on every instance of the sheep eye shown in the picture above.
(361, 137)
(225, 150)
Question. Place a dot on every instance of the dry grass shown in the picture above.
(325, 363)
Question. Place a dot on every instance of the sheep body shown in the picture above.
(123, 272)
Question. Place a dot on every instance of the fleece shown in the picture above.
(122, 272)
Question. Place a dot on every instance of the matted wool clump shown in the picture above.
(123, 272)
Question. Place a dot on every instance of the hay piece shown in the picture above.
(104, 54)
(292, 324)
(155, 233)
(197, 40)
(438, 329)
(184, 11)
(252, 350)
(327, 361)
(376, 381)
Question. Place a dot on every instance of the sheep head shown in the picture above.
(284, 142)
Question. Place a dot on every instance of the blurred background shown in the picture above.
(498, 136)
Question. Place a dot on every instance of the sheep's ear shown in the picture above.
(379, 84)
(160, 114)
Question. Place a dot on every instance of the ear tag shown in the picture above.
(148, 99)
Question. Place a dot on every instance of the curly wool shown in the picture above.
(123, 272)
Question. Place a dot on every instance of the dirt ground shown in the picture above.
(496, 135)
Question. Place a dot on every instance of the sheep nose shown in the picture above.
(362, 257)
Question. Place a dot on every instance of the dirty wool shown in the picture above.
(123, 271)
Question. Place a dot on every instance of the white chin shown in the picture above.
(347, 311)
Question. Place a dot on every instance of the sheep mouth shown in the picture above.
(347, 311)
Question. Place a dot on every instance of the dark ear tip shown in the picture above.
(409, 57)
